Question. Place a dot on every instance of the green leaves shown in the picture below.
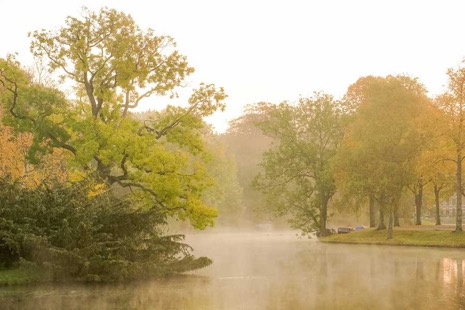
(145, 168)
(298, 175)
(34, 108)
(113, 64)
(60, 230)
(112, 59)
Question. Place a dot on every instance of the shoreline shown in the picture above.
(387, 243)
(426, 236)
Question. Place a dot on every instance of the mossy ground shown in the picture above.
(431, 236)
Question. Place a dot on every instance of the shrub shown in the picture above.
(63, 231)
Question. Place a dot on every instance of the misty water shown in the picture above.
(276, 270)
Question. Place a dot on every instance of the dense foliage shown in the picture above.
(142, 171)
(162, 158)
(75, 232)
(383, 141)
(298, 171)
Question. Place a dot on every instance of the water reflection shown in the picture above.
(452, 273)
(277, 271)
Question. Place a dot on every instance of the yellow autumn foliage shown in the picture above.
(14, 164)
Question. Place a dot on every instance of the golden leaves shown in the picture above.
(14, 164)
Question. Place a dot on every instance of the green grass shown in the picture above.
(436, 238)
(19, 276)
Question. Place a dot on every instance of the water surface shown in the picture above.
(276, 270)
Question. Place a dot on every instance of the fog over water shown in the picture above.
(276, 270)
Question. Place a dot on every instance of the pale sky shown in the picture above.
(277, 50)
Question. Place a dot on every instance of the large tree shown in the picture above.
(113, 61)
(452, 103)
(430, 166)
(382, 142)
(113, 65)
(442, 173)
(356, 196)
(298, 172)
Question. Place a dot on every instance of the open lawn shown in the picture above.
(431, 236)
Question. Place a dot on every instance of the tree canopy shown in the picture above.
(155, 167)
(383, 140)
(298, 171)
(452, 103)
(113, 65)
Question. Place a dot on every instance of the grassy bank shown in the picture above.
(402, 236)
(19, 276)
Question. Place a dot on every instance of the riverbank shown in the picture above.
(428, 236)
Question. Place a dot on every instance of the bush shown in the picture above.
(71, 236)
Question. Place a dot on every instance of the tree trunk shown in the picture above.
(381, 220)
(90, 94)
(391, 220)
(436, 201)
(396, 218)
(458, 191)
(418, 203)
(372, 211)
(323, 217)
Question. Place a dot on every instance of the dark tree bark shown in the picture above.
(396, 218)
(418, 203)
(372, 211)
(381, 220)
(390, 224)
(323, 216)
(458, 191)
(437, 190)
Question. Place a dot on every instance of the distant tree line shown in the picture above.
(384, 139)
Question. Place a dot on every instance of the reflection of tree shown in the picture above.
(420, 275)
(459, 265)
(448, 271)
(453, 273)
(397, 266)
(437, 274)
(373, 272)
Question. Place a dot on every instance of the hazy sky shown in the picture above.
(277, 50)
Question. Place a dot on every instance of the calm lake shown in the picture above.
(276, 270)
